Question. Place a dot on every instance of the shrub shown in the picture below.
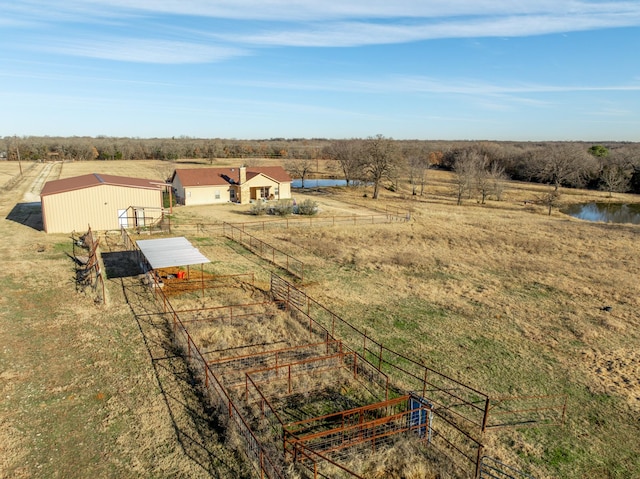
(258, 208)
(308, 208)
(283, 208)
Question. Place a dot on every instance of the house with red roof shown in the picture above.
(207, 186)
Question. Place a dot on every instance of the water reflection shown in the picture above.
(605, 212)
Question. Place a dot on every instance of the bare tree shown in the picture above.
(348, 155)
(299, 168)
(563, 164)
(417, 162)
(465, 166)
(381, 159)
(497, 177)
(483, 181)
(615, 173)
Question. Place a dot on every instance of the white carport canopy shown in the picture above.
(168, 252)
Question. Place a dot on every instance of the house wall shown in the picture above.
(206, 195)
(250, 189)
(285, 190)
(96, 206)
(178, 190)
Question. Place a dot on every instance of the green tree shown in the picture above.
(599, 151)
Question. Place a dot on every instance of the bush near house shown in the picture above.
(308, 208)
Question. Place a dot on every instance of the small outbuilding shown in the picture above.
(207, 186)
(105, 202)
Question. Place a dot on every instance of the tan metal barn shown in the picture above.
(105, 202)
(207, 186)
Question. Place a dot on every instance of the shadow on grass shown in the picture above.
(121, 264)
(27, 214)
(198, 430)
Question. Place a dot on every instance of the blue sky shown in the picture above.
(425, 69)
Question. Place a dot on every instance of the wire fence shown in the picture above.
(264, 250)
(463, 412)
(452, 415)
(218, 229)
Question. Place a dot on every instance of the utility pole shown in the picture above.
(18, 153)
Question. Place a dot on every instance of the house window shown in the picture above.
(188, 194)
(232, 194)
(276, 190)
(217, 193)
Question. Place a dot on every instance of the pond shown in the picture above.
(605, 212)
(318, 183)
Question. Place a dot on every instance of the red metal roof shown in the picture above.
(277, 173)
(97, 179)
(225, 176)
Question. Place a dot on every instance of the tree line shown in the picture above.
(479, 166)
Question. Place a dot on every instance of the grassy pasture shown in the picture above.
(501, 296)
(509, 300)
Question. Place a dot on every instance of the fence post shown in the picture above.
(485, 419)
(479, 463)
(355, 365)
(364, 345)
(424, 383)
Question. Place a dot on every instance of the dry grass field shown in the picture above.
(501, 296)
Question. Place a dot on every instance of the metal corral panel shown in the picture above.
(168, 252)
(97, 206)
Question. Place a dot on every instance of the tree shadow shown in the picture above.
(27, 214)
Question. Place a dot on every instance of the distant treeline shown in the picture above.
(613, 166)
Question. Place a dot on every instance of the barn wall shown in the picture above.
(96, 206)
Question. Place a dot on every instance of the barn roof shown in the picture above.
(97, 179)
(168, 252)
(227, 176)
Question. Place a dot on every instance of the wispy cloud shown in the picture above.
(144, 50)
(300, 23)
(437, 18)
(348, 34)
(312, 10)
(427, 85)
